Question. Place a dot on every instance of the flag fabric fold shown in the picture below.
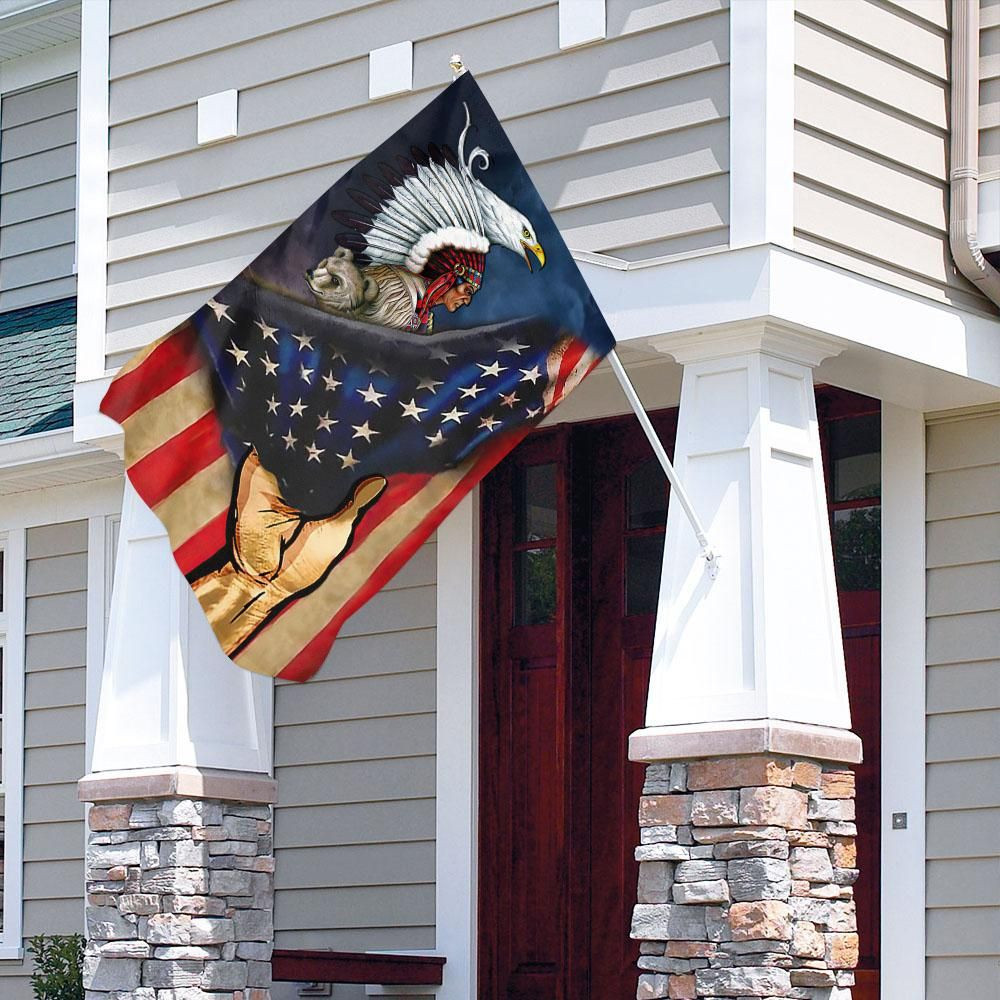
(308, 428)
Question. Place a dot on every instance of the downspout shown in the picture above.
(963, 228)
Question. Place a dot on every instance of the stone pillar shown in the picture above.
(180, 895)
(746, 850)
(180, 865)
(745, 879)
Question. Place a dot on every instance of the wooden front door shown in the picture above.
(573, 526)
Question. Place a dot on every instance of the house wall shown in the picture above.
(989, 90)
(37, 194)
(355, 765)
(871, 142)
(627, 140)
(54, 738)
(963, 705)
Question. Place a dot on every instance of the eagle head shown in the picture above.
(510, 228)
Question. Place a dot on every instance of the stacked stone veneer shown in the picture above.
(180, 899)
(745, 880)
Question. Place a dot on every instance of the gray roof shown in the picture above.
(37, 368)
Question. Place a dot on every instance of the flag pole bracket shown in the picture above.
(709, 554)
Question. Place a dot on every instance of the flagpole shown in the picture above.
(680, 494)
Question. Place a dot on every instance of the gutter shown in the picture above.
(963, 235)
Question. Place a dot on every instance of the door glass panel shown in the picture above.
(535, 586)
(857, 551)
(535, 504)
(646, 496)
(855, 450)
(643, 561)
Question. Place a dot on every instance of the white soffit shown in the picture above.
(28, 26)
(390, 70)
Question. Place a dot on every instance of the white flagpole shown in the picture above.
(711, 556)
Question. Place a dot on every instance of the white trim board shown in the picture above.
(903, 702)
(761, 122)
(39, 67)
(11, 935)
(92, 188)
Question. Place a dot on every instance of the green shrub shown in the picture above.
(58, 973)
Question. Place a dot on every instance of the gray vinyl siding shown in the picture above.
(354, 759)
(871, 143)
(627, 139)
(989, 90)
(54, 735)
(963, 707)
(38, 194)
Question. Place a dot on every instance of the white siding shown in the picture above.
(37, 194)
(354, 759)
(627, 139)
(871, 142)
(989, 90)
(54, 734)
(963, 707)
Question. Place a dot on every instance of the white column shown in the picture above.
(762, 641)
(169, 695)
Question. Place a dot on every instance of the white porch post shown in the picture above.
(763, 640)
(747, 853)
(179, 857)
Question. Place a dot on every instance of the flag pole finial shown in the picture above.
(457, 66)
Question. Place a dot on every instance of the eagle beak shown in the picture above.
(536, 249)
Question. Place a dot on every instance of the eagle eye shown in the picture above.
(526, 234)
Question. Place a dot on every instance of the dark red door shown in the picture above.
(572, 542)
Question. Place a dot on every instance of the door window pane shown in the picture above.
(646, 496)
(856, 454)
(535, 503)
(535, 586)
(643, 562)
(857, 548)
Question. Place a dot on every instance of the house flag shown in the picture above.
(308, 428)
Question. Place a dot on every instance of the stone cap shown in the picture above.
(745, 736)
(177, 781)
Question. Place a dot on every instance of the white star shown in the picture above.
(493, 369)
(428, 383)
(531, 375)
(509, 400)
(219, 308)
(348, 461)
(289, 440)
(338, 354)
(268, 332)
(454, 414)
(411, 409)
(472, 390)
(241, 387)
(513, 346)
(304, 341)
(374, 369)
(364, 431)
(371, 395)
(331, 382)
(298, 408)
(241, 356)
(325, 423)
(314, 452)
(270, 366)
(305, 373)
(435, 439)
(441, 354)
(489, 423)
(272, 405)
(534, 413)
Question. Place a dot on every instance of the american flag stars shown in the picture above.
(320, 403)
